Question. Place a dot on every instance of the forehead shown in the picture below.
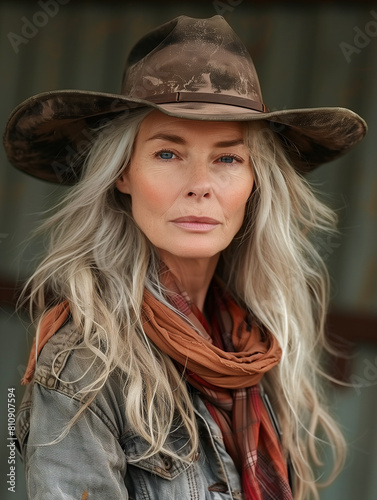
(157, 122)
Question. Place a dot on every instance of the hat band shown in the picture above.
(208, 98)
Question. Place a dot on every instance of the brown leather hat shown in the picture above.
(188, 68)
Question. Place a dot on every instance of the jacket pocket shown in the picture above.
(164, 466)
(160, 476)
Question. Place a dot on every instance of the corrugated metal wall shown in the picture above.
(320, 54)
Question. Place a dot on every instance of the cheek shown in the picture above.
(236, 202)
(150, 195)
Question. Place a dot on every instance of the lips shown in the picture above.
(199, 220)
(196, 224)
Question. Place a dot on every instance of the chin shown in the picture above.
(193, 253)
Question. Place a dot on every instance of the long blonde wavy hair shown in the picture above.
(100, 262)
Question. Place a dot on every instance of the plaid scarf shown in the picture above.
(225, 362)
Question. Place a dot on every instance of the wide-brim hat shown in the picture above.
(189, 68)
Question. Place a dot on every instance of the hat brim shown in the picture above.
(45, 133)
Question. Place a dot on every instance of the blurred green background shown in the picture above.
(307, 54)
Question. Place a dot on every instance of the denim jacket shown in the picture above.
(94, 459)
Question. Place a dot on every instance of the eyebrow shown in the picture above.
(180, 140)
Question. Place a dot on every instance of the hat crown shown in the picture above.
(191, 55)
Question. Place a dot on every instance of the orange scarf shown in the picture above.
(242, 368)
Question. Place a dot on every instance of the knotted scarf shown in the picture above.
(225, 363)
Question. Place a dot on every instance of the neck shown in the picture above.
(195, 275)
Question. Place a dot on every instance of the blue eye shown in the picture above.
(227, 159)
(166, 155)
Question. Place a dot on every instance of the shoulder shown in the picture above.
(69, 366)
(65, 369)
(56, 354)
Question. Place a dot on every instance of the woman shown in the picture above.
(180, 308)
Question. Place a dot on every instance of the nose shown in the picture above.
(199, 182)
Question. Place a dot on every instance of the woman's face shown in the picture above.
(189, 182)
